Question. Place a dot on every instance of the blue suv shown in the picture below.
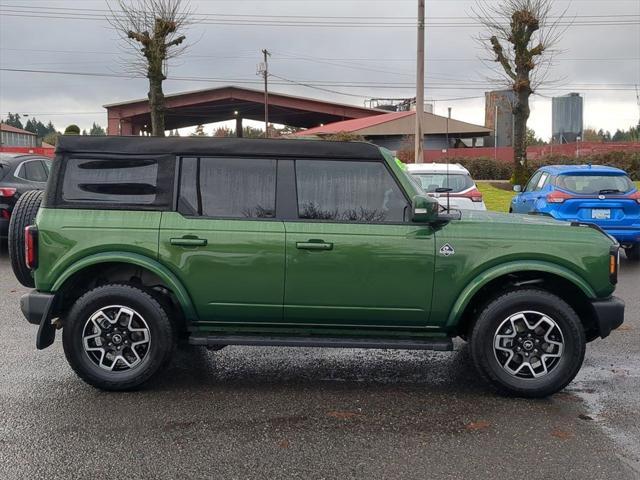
(601, 195)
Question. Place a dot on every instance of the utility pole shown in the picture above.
(419, 144)
(495, 134)
(264, 69)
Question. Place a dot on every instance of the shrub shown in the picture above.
(72, 130)
(489, 169)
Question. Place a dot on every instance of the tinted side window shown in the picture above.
(348, 191)
(228, 187)
(111, 181)
(33, 171)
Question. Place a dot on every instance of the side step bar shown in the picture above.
(440, 344)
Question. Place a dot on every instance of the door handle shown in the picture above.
(311, 245)
(188, 241)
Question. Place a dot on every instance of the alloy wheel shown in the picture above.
(528, 344)
(116, 338)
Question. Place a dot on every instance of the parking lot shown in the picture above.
(248, 412)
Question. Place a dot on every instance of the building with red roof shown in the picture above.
(392, 130)
(16, 137)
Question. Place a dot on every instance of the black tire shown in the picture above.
(633, 253)
(23, 215)
(492, 319)
(156, 356)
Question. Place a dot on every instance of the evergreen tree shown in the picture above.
(97, 130)
(199, 132)
(13, 119)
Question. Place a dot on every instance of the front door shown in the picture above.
(224, 242)
(353, 259)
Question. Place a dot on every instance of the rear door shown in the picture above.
(353, 258)
(224, 242)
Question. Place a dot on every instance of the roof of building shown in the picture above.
(229, 102)
(212, 146)
(397, 123)
(9, 128)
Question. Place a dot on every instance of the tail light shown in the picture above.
(614, 263)
(7, 192)
(31, 247)
(635, 196)
(475, 195)
(558, 197)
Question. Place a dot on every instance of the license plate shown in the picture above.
(601, 214)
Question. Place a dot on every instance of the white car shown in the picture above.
(434, 180)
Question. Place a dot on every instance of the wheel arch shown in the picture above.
(88, 264)
(553, 278)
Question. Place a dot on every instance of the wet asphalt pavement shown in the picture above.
(272, 413)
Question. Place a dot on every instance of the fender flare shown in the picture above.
(143, 261)
(491, 274)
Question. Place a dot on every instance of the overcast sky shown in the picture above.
(600, 61)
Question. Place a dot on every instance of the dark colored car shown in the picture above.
(19, 173)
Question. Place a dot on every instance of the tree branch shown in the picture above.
(500, 57)
(176, 42)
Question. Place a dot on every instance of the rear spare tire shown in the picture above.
(24, 214)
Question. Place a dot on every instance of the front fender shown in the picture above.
(139, 260)
(512, 267)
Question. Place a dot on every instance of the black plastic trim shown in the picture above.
(440, 344)
(35, 305)
(609, 314)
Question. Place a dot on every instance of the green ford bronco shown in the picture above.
(139, 244)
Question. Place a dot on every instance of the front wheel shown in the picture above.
(116, 337)
(528, 343)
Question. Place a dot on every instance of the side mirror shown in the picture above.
(517, 188)
(424, 209)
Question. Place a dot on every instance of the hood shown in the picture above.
(509, 218)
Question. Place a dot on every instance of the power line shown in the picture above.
(341, 84)
(340, 17)
(296, 56)
(75, 14)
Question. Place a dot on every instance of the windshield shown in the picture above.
(456, 182)
(594, 184)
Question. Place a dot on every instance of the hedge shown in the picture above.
(490, 169)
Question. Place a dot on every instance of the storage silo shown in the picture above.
(499, 112)
(566, 118)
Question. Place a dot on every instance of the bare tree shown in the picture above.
(152, 30)
(521, 36)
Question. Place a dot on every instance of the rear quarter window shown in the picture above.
(110, 181)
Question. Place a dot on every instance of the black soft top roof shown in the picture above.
(211, 146)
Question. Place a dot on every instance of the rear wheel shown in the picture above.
(528, 343)
(633, 253)
(23, 215)
(116, 337)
